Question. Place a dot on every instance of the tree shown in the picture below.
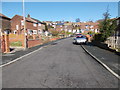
(77, 20)
(107, 26)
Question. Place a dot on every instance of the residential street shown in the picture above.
(59, 65)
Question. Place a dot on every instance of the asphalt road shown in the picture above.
(59, 65)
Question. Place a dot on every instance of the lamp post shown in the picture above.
(25, 34)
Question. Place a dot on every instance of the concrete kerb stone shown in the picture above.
(99, 61)
(17, 59)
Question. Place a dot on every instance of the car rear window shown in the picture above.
(81, 37)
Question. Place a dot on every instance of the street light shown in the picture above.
(25, 34)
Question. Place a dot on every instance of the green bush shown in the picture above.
(30, 37)
(54, 33)
(98, 38)
(18, 43)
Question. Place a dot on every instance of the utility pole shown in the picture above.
(25, 34)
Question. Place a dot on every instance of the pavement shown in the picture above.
(18, 53)
(111, 59)
(59, 65)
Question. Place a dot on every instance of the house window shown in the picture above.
(22, 22)
(17, 27)
(86, 26)
(40, 31)
(91, 26)
(34, 24)
(39, 24)
(15, 31)
(34, 31)
(30, 32)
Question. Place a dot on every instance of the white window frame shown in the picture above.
(39, 24)
(34, 31)
(22, 22)
(34, 24)
(17, 27)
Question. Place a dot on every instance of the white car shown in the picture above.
(80, 39)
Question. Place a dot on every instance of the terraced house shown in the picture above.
(86, 27)
(4, 23)
(33, 26)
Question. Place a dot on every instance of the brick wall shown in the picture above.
(2, 43)
(32, 43)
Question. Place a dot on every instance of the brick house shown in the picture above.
(86, 27)
(59, 27)
(4, 23)
(33, 26)
(68, 26)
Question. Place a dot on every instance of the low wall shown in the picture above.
(2, 41)
(32, 43)
(102, 45)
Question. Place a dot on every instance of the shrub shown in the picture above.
(30, 37)
(54, 33)
(18, 43)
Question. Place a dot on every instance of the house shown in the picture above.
(59, 27)
(41, 25)
(33, 26)
(5, 25)
(68, 27)
(86, 27)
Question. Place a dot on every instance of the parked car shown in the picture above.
(80, 39)
(78, 35)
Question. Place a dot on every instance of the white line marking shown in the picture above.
(20, 58)
(110, 70)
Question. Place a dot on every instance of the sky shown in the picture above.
(58, 11)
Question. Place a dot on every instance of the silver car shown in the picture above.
(80, 39)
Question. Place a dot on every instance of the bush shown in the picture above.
(30, 37)
(18, 43)
(98, 38)
(54, 33)
(37, 37)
